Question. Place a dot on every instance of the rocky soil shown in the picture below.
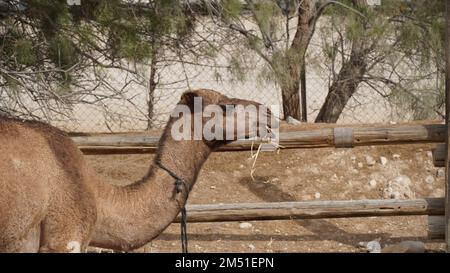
(403, 171)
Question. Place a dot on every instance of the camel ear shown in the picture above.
(188, 98)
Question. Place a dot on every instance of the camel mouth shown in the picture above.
(229, 122)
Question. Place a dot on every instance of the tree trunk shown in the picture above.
(350, 76)
(296, 66)
(344, 86)
(291, 100)
(151, 92)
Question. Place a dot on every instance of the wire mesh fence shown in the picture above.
(138, 104)
(131, 111)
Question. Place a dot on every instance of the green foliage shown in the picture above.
(396, 32)
(232, 9)
(54, 34)
(236, 68)
(24, 51)
(62, 52)
(267, 15)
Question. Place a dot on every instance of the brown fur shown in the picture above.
(50, 200)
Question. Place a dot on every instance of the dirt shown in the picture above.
(295, 175)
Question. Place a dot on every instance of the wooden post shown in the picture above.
(447, 111)
(436, 227)
(439, 155)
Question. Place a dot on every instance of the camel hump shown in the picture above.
(10, 125)
(35, 141)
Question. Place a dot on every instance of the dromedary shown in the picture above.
(51, 201)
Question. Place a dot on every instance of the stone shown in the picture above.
(429, 179)
(251, 246)
(292, 121)
(373, 183)
(317, 195)
(213, 187)
(369, 160)
(383, 160)
(399, 188)
(440, 173)
(353, 158)
(394, 195)
(314, 170)
(396, 156)
(373, 247)
(405, 247)
(275, 180)
(245, 225)
(360, 165)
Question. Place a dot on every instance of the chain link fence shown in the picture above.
(131, 112)
(138, 107)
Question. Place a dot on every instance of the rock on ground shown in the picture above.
(429, 179)
(293, 121)
(399, 188)
(405, 247)
(372, 246)
(245, 225)
(369, 160)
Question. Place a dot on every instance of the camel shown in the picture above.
(51, 201)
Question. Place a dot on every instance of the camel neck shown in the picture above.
(131, 216)
(183, 159)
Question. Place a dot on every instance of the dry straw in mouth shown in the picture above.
(267, 139)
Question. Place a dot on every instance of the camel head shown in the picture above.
(218, 119)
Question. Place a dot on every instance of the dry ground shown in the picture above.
(294, 175)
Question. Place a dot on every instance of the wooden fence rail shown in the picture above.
(317, 138)
(433, 207)
(313, 210)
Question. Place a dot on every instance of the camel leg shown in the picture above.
(61, 234)
(27, 244)
(59, 240)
